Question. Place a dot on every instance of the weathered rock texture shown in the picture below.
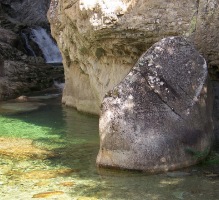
(206, 34)
(101, 40)
(20, 73)
(159, 117)
(26, 12)
(20, 77)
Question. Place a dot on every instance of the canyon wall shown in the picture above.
(101, 40)
(26, 12)
(20, 73)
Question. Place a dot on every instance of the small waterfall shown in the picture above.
(28, 48)
(59, 85)
(48, 47)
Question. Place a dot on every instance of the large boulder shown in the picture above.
(159, 117)
(101, 40)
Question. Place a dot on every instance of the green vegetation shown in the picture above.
(199, 155)
(193, 24)
(212, 159)
(205, 157)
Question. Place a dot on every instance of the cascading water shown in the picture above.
(59, 85)
(48, 47)
(38, 43)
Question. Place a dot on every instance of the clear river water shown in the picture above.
(49, 151)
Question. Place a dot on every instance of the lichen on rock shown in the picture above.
(160, 114)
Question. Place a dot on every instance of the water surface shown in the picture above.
(51, 154)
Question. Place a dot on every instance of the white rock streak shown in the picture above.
(109, 11)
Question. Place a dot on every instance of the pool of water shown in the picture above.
(50, 152)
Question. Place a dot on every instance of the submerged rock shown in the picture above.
(22, 149)
(159, 117)
(19, 107)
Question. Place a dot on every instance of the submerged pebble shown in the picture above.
(47, 194)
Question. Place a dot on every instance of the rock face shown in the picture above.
(19, 77)
(20, 73)
(159, 117)
(205, 35)
(26, 12)
(101, 41)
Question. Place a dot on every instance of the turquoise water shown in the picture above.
(58, 151)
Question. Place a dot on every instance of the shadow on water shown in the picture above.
(74, 140)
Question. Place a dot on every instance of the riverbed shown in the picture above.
(49, 151)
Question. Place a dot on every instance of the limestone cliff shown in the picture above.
(101, 40)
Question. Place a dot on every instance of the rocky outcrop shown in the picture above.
(26, 12)
(159, 117)
(20, 73)
(206, 35)
(20, 77)
(100, 41)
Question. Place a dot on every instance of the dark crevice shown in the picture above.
(71, 4)
(171, 108)
(185, 93)
(197, 14)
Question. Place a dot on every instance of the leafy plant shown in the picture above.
(204, 156)
(199, 155)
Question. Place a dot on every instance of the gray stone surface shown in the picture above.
(26, 12)
(159, 117)
(101, 41)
